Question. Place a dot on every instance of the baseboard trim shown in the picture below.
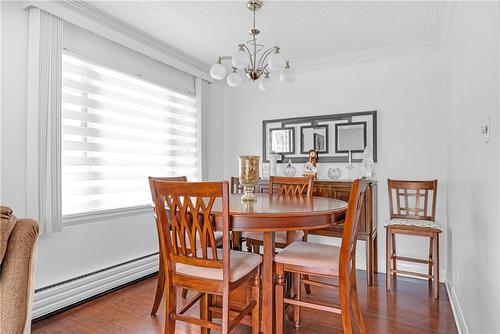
(62, 295)
(456, 309)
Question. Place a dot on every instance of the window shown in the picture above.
(116, 131)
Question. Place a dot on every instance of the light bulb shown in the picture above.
(276, 61)
(240, 59)
(218, 71)
(265, 83)
(287, 74)
(234, 79)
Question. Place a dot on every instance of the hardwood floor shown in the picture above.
(408, 308)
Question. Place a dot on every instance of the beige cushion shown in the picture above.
(278, 237)
(311, 254)
(241, 263)
(7, 223)
(414, 222)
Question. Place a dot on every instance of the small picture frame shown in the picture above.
(314, 137)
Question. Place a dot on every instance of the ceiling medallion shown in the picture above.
(253, 61)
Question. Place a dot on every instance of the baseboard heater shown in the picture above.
(62, 295)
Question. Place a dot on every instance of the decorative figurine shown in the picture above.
(310, 166)
(368, 165)
(289, 169)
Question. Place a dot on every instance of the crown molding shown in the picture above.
(91, 18)
(103, 24)
(440, 22)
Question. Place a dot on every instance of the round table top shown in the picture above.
(282, 213)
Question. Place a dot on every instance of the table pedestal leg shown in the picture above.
(268, 284)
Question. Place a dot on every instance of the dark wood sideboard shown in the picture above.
(341, 189)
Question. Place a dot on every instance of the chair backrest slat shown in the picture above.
(290, 185)
(419, 198)
(185, 208)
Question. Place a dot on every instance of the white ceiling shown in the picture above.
(306, 31)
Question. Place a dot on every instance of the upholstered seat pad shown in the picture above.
(279, 237)
(312, 255)
(413, 222)
(241, 263)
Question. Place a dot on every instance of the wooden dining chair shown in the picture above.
(320, 260)
(299, 186)
(202, 267)
(412, 206)
(288, 186)
(160, 284)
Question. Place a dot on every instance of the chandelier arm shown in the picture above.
(265, 70)
(266, 54)
(225, 58)
(249, 55)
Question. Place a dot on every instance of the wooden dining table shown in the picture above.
(270, 214)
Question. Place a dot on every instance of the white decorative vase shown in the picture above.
(273, 160)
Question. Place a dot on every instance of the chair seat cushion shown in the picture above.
(279, 237)
(413, 222)
(312, 255)
(241, 263)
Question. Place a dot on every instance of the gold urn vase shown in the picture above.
(249, 175)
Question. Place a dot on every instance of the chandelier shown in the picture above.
(254, 60)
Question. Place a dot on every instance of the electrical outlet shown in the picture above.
(486, 130)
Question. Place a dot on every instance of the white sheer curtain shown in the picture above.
(44, 119)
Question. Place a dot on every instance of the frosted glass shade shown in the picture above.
(265, 84)
(234, 80)
(287, 75)
(240, 59)
(218, 71)
(276, 62)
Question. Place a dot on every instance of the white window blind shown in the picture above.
(116, 131)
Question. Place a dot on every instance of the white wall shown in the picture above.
(473, 167)
(78, 249)
(409, 93)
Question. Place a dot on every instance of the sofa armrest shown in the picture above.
(16, 278)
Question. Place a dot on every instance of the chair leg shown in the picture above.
(225, 313)
(393, 255)
(307, 287)
(184, 293)
(431, 246)
(298, 293)
(256, 248)
(256, 309)
(375, 254)
(279, 298)
(160, 286)
(436, 267)
(387, 259)
(204, 312)
(356, 309)
(345, 304)
(171, 308)
(368, 260)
